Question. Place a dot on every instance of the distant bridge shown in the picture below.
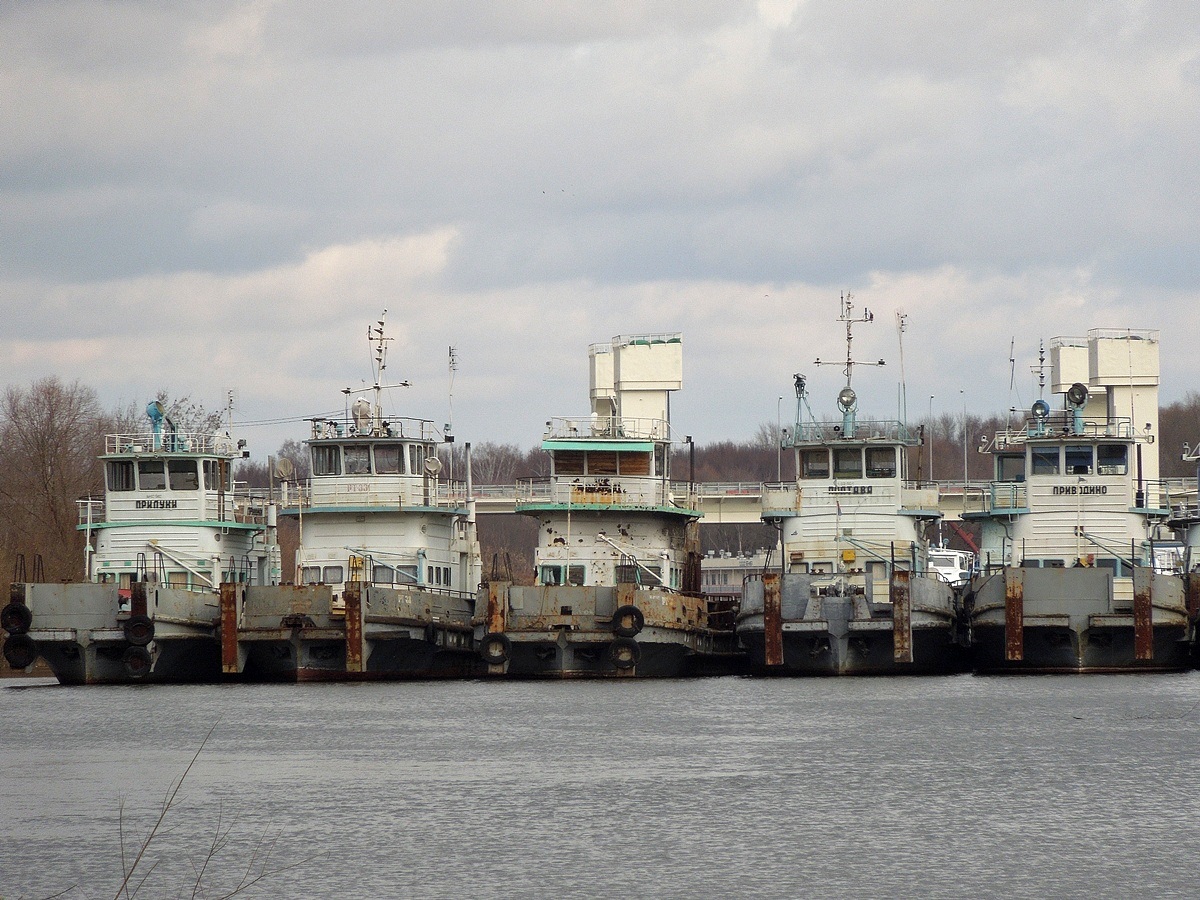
(722, 502)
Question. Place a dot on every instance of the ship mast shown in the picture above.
(847, 400)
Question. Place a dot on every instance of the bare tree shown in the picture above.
(50, 436)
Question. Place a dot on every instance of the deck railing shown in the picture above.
(611, 491)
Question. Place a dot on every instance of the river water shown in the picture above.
(962, 786)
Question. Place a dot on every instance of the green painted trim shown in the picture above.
(169, 523)
(614, 444)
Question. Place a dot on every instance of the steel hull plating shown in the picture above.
(288, 633)
(795, 624)
(304, 658)
(1067, 620)
(80, 631)
(1050, 649)
(660, 655)
(817, 651)
(561, 631)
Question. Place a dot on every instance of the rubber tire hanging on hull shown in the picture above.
(137, 662)
(20, 650)
(624, 653)
(16, 618)
(139, 630)
(495, 649)
(628, 621)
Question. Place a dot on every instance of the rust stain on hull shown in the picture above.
(772, 620)
(902, 649)
(497, 605)
(354, 627)
(1014, 615)
(137, 598)
(1143, 613)
(229, 630)
(1192, 588)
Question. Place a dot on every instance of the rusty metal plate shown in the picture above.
(497, 607)
(1191, 587)
(229, 629)
(137, 598)
(902, 650)
(772, 620)
(1143, 613)
(1014, 614)
(354, 627)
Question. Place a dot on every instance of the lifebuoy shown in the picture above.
(137, 662)
(624, 653)
(139, 630)
(495, 649)
(20, 651)
(16, 618)
(628, 621)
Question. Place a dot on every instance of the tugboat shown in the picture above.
(1071, 522)
(172, 527)
(855, 594)
(617, 589)
(388, 566)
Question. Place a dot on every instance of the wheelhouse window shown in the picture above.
(152, 475)
(814, 464)
(1010, 467)
(602, 462)
(1078, 459)
(357, 459)
(322, 575)
(212, 476)
(1112, 459)
(183, 475)
(416, 458)
(388, 459)
(568, 462)
(406, 574)
(327, 460)
(1043, 460)
(847, 462)
(553, 575)
(383, 574)
(631, 463)
(120, 475)
(631, 573)
(881, 462)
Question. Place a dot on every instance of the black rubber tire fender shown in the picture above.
(137, 662)
(495, 648)
(624, 653)
(139, 630)
(20, 651)
(16, 618)
(628, 621)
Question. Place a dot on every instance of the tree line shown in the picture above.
(51, 433)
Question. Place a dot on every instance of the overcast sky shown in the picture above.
(204, 196)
